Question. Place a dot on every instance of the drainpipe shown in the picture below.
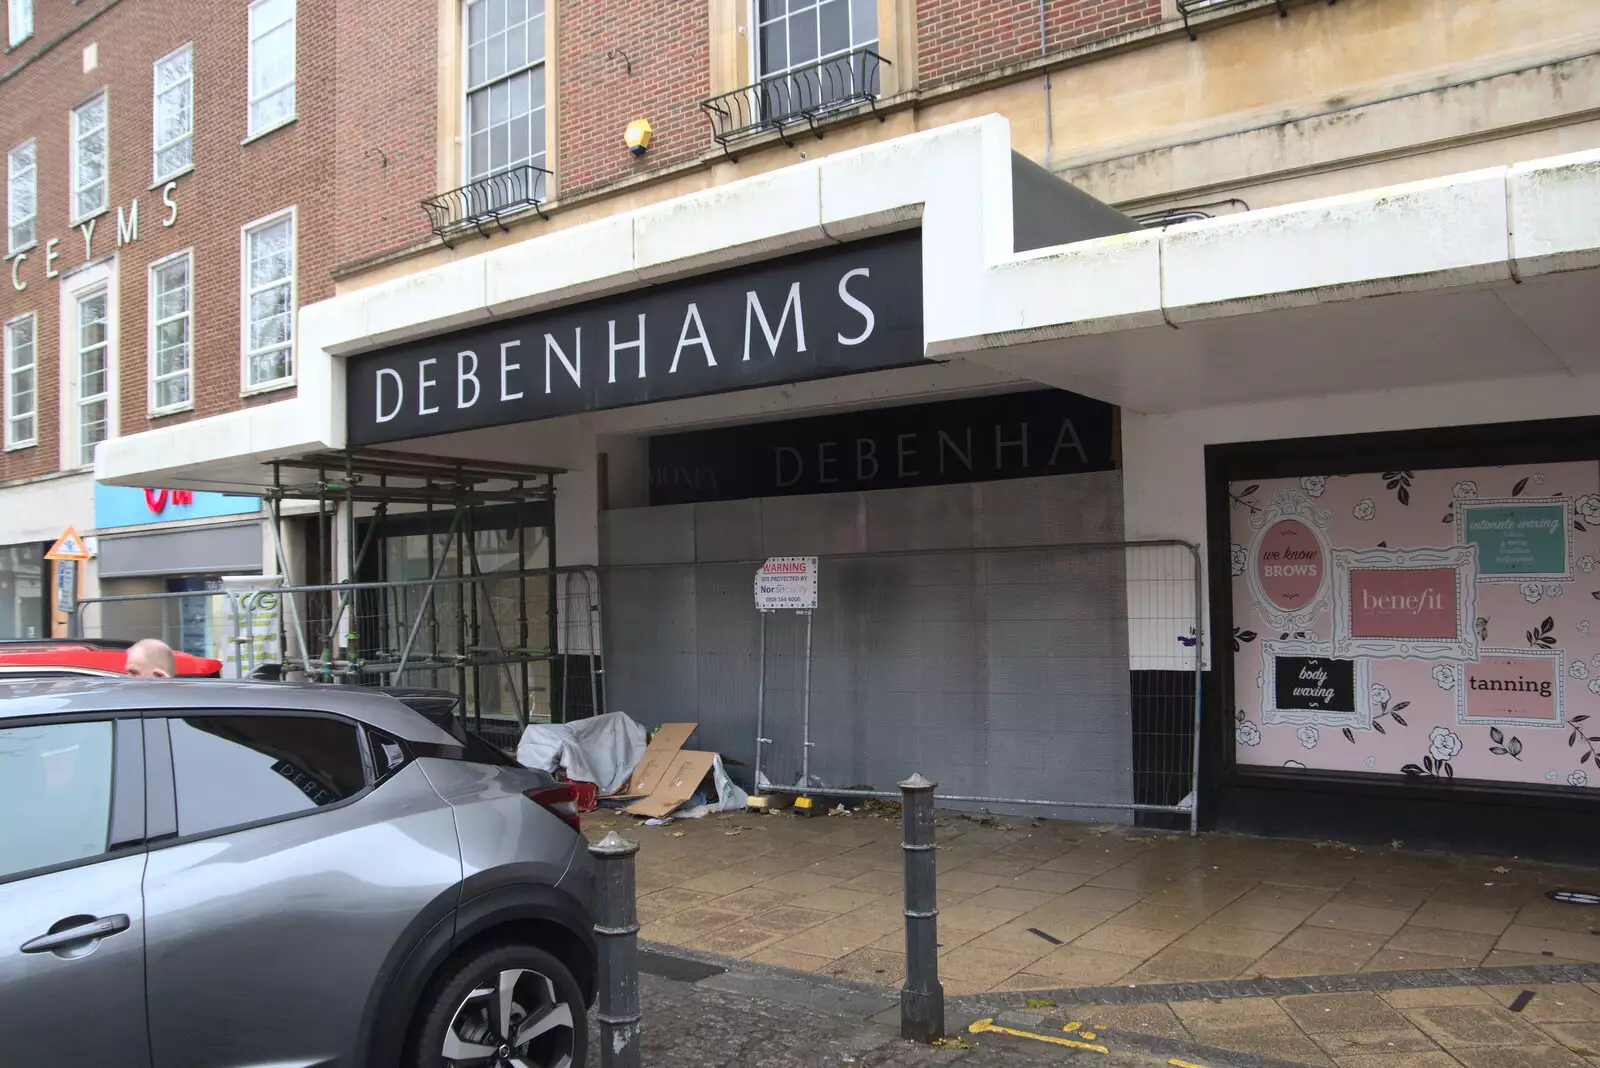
(1049, 122)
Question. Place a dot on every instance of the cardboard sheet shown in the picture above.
(647, 774)
(681, 777)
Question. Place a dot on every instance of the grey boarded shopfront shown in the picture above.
(995, 673)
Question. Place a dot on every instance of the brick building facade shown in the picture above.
(1209, 132)
(378, 128)
(229, 183)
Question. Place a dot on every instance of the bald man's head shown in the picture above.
(151, 658)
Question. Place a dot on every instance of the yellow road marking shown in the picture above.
(978, 1027)
(1184, 1064)
(1073, 1026)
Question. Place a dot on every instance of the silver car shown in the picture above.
(199, 874)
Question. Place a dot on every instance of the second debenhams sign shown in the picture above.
(850, 308)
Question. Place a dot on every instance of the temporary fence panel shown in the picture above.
(484, 636)
(1034, 673)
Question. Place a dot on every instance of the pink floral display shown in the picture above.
(1436, 624)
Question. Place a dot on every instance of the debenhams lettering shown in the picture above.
(851, 308)
(692, 339)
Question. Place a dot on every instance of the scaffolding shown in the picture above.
(451, 619)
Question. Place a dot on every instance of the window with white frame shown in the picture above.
(90, 159)
(798, 33)
(19, 20)
(171, 332)
(269, 301)
(21, 396)
(93, 373)
(174, 113)
(22, 195)
(271, 64)
(505, 86)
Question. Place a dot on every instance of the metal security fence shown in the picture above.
(518, 646)
(1065, 676)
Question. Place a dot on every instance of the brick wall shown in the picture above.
(668, 42)
(386, 127)
(302, 164)
(361, 155)
(961, 38)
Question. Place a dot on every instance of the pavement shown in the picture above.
(706, 1011)
(1038, 904)
(749, 1016)
(1218, 952)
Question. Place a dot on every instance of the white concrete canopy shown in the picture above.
(1474, 277)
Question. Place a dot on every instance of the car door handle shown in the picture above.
(105, 925)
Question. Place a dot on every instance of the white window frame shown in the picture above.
(75, 286)
(187, 255)
(252, 97)
(156, 93)
(81, 400)
(11, 368)
(72, 173)
(467, 89)
(32, 174)
(246, 388)
(19, 16)
(756, 23)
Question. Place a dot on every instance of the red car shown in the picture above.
(94, 655)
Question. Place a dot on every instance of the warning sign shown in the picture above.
(787, 583)
(68, 547)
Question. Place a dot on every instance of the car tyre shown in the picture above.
(509, 1006)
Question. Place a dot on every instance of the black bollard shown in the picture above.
(616, 928)
(922, 999)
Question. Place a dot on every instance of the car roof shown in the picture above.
(75, 696)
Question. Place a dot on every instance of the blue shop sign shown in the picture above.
(126, 506)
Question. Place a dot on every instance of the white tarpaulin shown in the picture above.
(603, 749)
(729, 797)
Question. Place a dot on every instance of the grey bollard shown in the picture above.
(922, 998)
(616, 929)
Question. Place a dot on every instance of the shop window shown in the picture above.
(236, 770)
(174, 114)
(90, 159)
(93, 374)
(21, 388)
(19, 21)
(22, 591)
(505, 86)
(55, 795)
(805, 52)
(1429, 624)
(196, 625)
(272, 65)
(22, 196)
(269, 302)
(171, 332)
(513, 609)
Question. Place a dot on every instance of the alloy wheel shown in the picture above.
(514, 1021)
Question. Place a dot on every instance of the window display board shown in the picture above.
(1435, 624)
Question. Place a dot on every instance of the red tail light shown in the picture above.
(560, 799)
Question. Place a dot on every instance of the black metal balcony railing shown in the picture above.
(487, 201)
(806, 94)
(1200, 7)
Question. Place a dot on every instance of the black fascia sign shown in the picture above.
(836, 311)
(978, 439)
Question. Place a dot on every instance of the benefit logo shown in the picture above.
(1403, 603)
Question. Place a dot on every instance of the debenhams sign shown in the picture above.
(845, 309)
